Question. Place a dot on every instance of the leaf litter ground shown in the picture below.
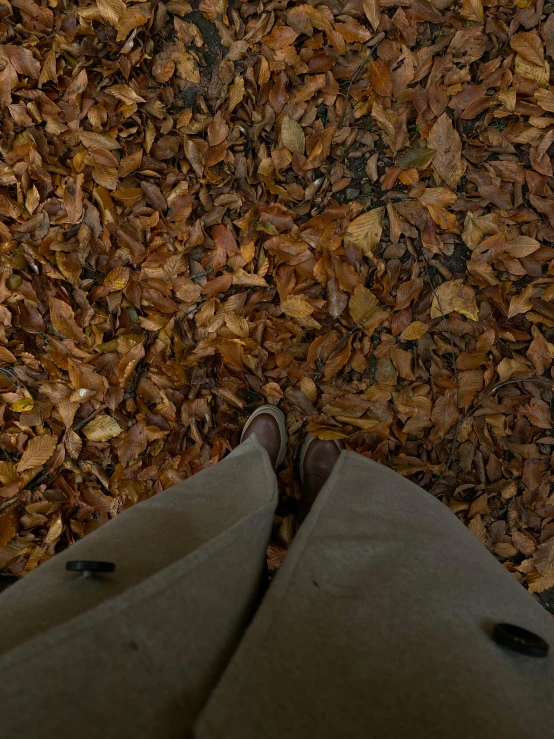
(344, 208)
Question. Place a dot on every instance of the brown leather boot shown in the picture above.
(268, 425)
(316, 464)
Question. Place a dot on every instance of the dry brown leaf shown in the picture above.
(181, 231)
(63, 320)
(297, 307)
(37, 452)
(540, 352)
(365, 231)
(111, 10)
(380, 77)
(445, 141)
(117, 279)
(131, 18)
(372, 10)
(73, 443)
(529, 46)
(540, 73)
(9, 524)
(125, 93)
(445, 414)
(454, 295)
(309, 388)
(472, 10)
(521, 303)
(338, 359)
(102, 428)
(292, 135)
(236, 93)
(414, 331)
(362, 303)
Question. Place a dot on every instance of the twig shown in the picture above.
(10, 375)
(472, 410)
(201, 274)
(7, 455)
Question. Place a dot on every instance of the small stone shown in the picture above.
(352, 193)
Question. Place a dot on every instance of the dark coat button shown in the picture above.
(89, 568)
(520, 640)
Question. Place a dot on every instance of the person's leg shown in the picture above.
(379, 624)
(137, 652)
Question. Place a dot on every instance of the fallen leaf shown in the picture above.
(292, 135)
(414, 331)
(454, 295)
(362, 303)
(365, 231)
(529, 46)
(338, 359)
(380, 77)
(37, 451)
(445, 413)
(297, 307)
(102, 428)
(446, 143)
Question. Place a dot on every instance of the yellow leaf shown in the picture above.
(292, 135)
(37, 452)
(414, 331)
(20, 406)
(365, 231)
(297, 307)
(102, 428)
(117, 279)
(454, 296)
(362, 303)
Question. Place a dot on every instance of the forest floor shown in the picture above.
(344, 208)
